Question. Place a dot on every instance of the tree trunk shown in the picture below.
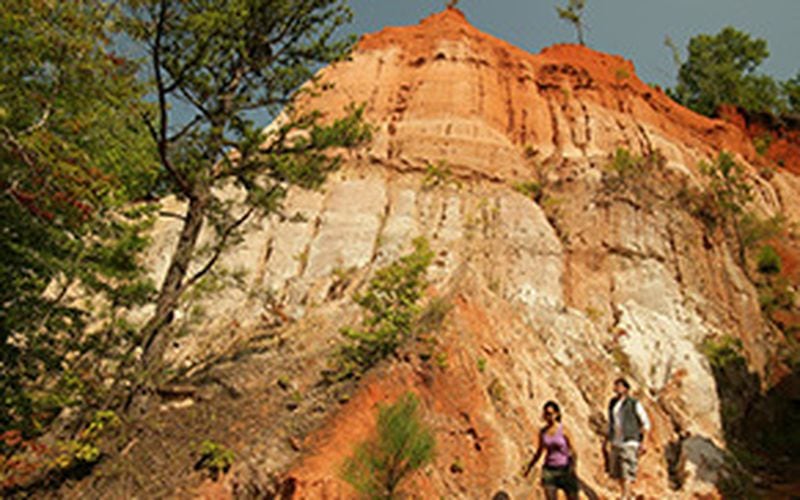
(155, 342)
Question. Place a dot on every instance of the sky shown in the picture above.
(634, 29)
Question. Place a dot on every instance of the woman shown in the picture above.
(560, 458)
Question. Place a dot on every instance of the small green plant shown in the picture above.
(762, 144)
(441, 360)
(723, 351)
(481, 364)
(621, 74)
(621, 359)
(728, 184)
(776, 294)
(497, 391)
(438, 174)
(768, 261)
(594, 314)
(530, 189)
(214, 458)
(625, 168)
(457, 467)
(754, 229)
(391, 302)
(403, 444)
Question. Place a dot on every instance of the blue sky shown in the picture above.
(634, 29)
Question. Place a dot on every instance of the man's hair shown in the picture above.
(624, 383)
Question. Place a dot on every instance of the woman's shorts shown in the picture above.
(562, 478)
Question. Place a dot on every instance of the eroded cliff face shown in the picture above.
(552, 299)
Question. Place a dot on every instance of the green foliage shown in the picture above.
(230, 63)
(626, 169)
(438, 174)
(791, 91)
(530, 189)
(776, 294)
(214, 458)
(403, 444)
(572, 14)
(728, 185)
(391, 304)
(497, 391)
(71, 159)
(762, 143)
(723, 351)
(481, 363)
(768, 261)
(722, 69)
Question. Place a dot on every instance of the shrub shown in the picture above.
(768, 262)
(723, 351)
(530, 189)
(403, 444)
(626, 167)
(728, 184)
(392, 311)
(214, 458)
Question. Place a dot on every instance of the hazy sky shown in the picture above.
(634, 29)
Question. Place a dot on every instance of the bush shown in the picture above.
(214, 458)
(769, 262)
(392, 312)
(722, 352)
(530, 189)
(402, 445)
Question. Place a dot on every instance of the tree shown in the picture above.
(791, 90)
(71, 161)
(228, 63)
(722, 69)
(573, 13)
(391, 302)
(402, 445)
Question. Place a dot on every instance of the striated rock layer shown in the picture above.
(551, 299)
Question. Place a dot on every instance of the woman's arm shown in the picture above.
(536, 455)
(573, 453)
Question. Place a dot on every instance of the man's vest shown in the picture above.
(631, 426)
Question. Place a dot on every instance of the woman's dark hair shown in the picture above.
(624, 383)
(553, 406)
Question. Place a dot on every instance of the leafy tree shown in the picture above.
(228, 63)
(791, 91)
(722, 69)
(71, 159)
(573, 14)
(392, 305)
(402, 445)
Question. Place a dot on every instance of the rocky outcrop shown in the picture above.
(553, 296)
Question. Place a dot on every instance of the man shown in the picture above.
(628, 427)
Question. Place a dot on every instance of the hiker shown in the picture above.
(628, 427)
(560, 458)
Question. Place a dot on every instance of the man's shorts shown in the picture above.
(624, 461)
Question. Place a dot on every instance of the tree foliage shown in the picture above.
(228, 63)
(723, 69)
(391, 303)
(403, 444)
(71, 158)
(573, 14)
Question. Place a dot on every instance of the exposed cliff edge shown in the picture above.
(553, 296)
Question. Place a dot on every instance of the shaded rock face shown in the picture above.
(551, 299)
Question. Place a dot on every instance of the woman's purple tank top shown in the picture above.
(557, 448)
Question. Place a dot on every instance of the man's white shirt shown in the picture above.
(643, 420)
